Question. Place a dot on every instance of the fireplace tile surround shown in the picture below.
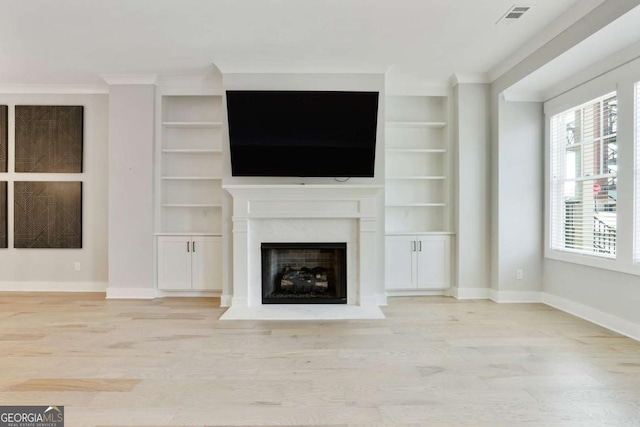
(304, 213)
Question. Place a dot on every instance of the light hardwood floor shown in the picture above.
(434, 361)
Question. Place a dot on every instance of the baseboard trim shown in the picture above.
(225, 300)
(188, 294)
(131, 293)
(382, 299)
(417, 293)
(496, 296)
(606, 320)
(53, 286)
(519, 297)
(469, 293)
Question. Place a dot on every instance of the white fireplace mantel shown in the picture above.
(311, 213)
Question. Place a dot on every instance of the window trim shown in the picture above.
(621, 80)
(549, 185)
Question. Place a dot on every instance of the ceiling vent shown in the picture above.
(513, 15)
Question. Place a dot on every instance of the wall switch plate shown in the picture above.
(76, 266)
(519, 274)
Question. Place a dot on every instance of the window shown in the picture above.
(584, 170)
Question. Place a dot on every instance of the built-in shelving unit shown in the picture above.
(191, 151)
(415, 124)
(192, 125)
(418, 193)
(416, 150)
(189, 165)
(417, 166)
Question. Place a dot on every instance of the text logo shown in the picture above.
(31, 416)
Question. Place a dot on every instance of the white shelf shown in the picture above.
(416, 177)
(416, 125)
(192, 125)
(293, 186)
(191, 150)
(191, 205)
(193, 178)
(418, 167)
(417, 150)
(188, 160)
(186, 233)
(415, 205)
(419, 233)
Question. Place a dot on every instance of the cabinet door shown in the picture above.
(433, 262)
(400, 268)
(174, 263)
(206, 263)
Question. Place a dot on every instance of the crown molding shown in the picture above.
(130, 79)
(240, 67)
(469, 78)
(399, 83)
(414, 88)
(187, 81)
(54, 89)
(190, 85)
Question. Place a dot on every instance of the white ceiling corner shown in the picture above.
(54, 89)
(130, 79)
(274, 67)
(426, 40)
(469, 78)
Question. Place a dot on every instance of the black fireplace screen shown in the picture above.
(304, 273)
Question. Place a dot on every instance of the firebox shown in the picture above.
(304, 273)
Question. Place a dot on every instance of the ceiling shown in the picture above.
(419, 41)
(606, 43)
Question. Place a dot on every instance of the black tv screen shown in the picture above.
(302, 133)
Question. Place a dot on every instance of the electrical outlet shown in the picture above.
(519, 274)
(76, 266)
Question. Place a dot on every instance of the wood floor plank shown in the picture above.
(75, 384)
(433, 361)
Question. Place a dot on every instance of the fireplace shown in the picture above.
(306, 213)
(304, 273)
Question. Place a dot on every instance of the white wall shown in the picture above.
(520, 196)
(131, 157)
(53, 269)
(502, 260)
(613, 293)
(471, 140)
(617, 294)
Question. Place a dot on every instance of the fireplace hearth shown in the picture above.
(304, 273)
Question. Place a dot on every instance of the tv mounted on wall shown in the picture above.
(302, 133)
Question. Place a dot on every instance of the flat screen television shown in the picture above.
(302, 133)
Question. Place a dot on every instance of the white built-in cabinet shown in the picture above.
(418, 193)
(188, 191)
(188, 263)
(418, 262)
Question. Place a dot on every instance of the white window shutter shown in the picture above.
(584, 170)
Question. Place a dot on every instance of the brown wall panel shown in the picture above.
(48, 214)
(3, 215)
(49, 138)
(4, 137)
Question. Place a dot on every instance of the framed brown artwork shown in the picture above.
(47, 214)
(4, 137)
(3, 215)
(49, 139)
